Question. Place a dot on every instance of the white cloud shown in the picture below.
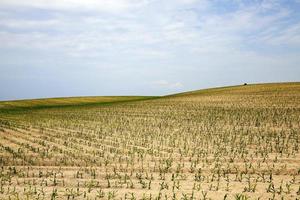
(152, 30)
(79, 5)
(21, 23)
(194, 41)
(167, 84)
(289, 36)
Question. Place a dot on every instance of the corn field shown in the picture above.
(234, 143)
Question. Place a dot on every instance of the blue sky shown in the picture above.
(144, 47)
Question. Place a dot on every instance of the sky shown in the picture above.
(57, 48)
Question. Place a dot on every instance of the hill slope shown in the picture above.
(254, 96)
(250, 89)
(238, 142)
(68, 101)
(268, 89)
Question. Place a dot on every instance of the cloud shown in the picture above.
(150, 31)
(76, 5)
(289, 36)
(170, 40)
(167, 84)
(27, 24)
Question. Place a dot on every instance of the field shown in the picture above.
(239, 143)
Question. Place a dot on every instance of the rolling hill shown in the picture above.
(68, 101)
(239, 142)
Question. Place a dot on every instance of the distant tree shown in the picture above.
(245, 84)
